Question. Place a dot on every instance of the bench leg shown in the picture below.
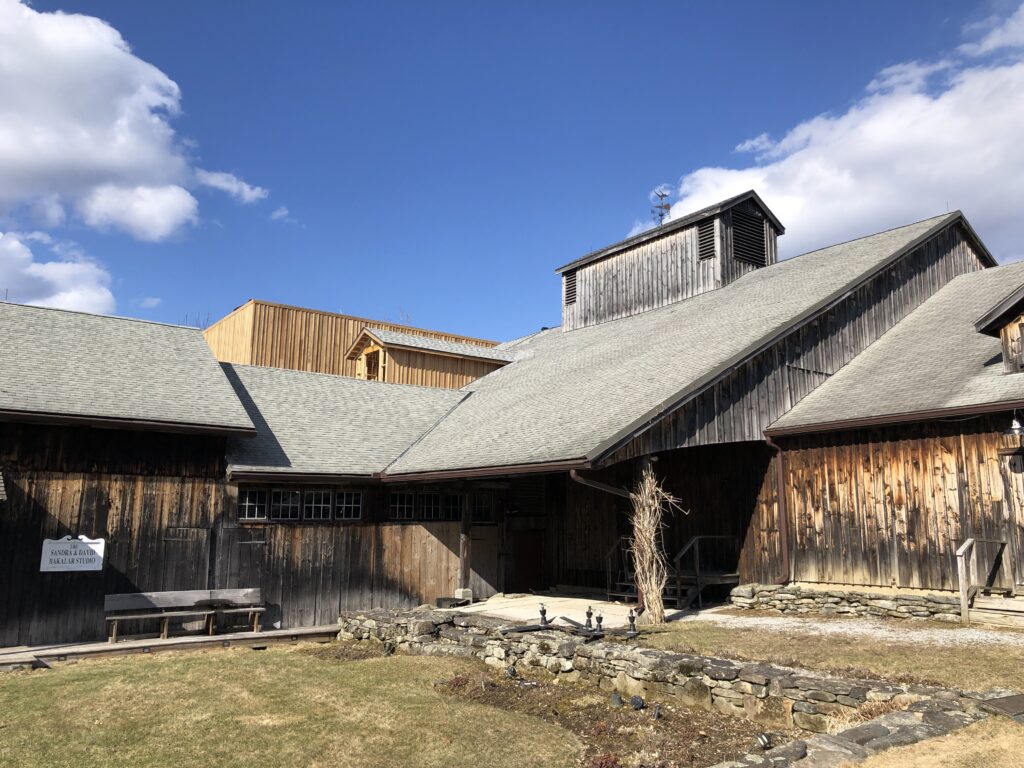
(164, 626)
(211, 623)
(113, 635)
(256, 621)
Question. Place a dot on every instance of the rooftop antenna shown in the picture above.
(661, 208)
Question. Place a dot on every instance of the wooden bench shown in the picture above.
(205, 604)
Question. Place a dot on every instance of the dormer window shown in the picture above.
(1006, 321)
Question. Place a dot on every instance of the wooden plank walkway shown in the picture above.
(27, 657)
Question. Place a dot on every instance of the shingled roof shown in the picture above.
(933, 362)
(390, 338)
(59, 366)
(567, 393)
(311, 424)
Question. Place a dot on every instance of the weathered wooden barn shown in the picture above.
(843, 417)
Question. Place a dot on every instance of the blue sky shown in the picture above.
(438, 161)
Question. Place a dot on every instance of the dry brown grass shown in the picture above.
(282, 706)
(847, 718)
(971, 667)
(997, 742)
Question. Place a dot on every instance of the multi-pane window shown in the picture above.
(348, 505)
(483, 508)
(451, 507)
(430, 506)
(318, 504)
(402, 506)
(252, 504)
(285, 504)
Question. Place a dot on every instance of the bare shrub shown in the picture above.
(650, 504)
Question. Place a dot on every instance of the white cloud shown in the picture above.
(923, 139)
(147, 213)
(150, 302)
(283, 214)
(234, 186)
(85, 126)
(1008, 34)
(70, 281)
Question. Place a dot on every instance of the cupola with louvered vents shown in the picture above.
(680, 259)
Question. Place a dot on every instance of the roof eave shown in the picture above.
(278, 476)
(110, 422)
(538, 468)
(933, 414)
(992, 321)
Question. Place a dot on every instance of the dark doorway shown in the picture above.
(526, 550)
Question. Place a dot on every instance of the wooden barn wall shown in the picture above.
(891, 506)
(740, 406)
(170, 522)
(153, 497)
(302, 339)
(656, 273)
(230, 339)
(427, 370)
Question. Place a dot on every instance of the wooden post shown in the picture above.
(465, 544)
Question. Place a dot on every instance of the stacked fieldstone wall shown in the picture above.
(795, 598)
(776, 696)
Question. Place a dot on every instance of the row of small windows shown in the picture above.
(325, 504)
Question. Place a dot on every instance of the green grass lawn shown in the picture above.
(285, 706)
(970, 667)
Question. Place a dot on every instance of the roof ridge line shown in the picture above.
(102, 316)
(414, 443)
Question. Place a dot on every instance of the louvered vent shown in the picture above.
(748, 237)
(570, 287)
(706, 239)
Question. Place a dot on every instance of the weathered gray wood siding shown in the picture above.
(740, 406)
(658, 272)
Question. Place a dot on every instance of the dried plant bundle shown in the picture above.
(650, 503)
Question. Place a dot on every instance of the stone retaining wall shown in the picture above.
(776, 696)
(853, 601)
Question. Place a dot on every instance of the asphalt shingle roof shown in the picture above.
(315, 423)
(71, 364)
(568, 392)
(933, 360)
(439, 345)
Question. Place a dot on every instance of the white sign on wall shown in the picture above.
(69, 554)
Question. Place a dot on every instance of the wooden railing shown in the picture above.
(693, 546)
(968, 575)
(615, 562)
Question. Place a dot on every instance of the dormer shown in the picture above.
(1006, 321)
(685, 257)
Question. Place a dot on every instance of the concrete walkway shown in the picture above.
(525, 609)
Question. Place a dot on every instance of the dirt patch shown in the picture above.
(342, 651)
(661, 735)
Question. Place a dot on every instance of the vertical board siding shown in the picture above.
(657, 272)
(744, 403)
(280, 336)
(891, 506)
(427, 370)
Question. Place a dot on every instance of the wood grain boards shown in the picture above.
(280, 336)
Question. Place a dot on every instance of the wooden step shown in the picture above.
(997, 619)
(999, 604)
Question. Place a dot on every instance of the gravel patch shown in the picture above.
(857, 627)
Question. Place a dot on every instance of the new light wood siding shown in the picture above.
(659, 272)
(279, 336)
(740, 406)
(891, 506)
(430, 370)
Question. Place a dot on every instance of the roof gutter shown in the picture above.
(895, 418)
(603, 449)
(576, 477)
(480, 472)
(293, 477)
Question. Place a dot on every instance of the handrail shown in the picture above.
(694, 543)
(967, 573)
(615, 549)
